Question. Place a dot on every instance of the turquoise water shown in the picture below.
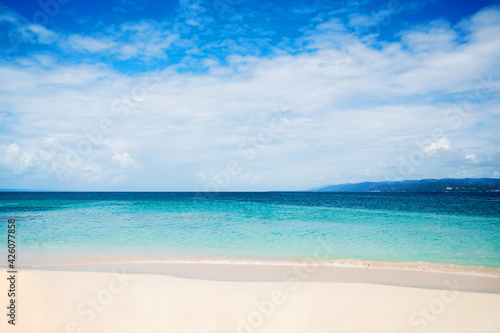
(462, 229)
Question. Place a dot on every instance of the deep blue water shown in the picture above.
(460, 228)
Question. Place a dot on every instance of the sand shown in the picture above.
(247, 298)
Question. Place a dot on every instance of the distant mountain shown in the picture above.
(423, 185)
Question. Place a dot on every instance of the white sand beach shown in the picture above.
(223, 298)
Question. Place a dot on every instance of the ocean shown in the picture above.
(441, 228)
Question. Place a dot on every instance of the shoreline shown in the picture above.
(38, 260)
(288, 273)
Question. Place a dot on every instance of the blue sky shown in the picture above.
(246, 95)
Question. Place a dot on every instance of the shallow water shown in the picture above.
(460, 229)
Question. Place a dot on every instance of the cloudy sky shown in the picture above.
(224, 95)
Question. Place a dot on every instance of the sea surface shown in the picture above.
(445, 228)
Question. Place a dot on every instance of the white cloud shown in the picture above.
(87, 43)
(21, 160)
(42, 34)
(471, 157)
(143, 39)
(443, 143)
(192, 22)
(124, 160)
(437, 35)
(22, 31)
(8, 17)
(353, 116)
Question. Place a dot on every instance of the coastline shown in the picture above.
(404, 274)
(69, 260)
(289, 273)
(223, 298)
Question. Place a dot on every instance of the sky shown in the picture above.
(239, 95)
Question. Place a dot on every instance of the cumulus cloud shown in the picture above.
(124, 160)
(443, 143)
(21, 160)
(352, 108)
